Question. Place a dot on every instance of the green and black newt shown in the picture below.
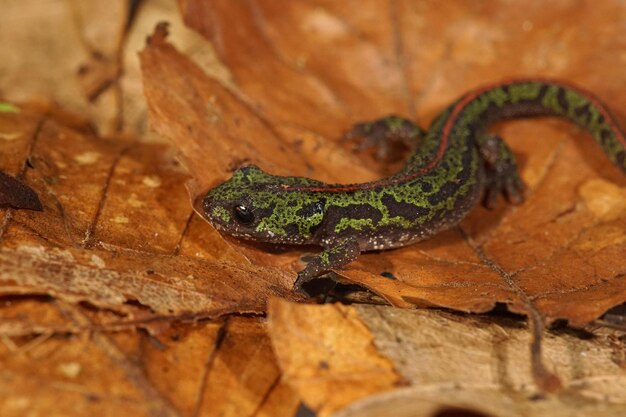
(455, 163)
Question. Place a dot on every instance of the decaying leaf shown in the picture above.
(330, 366)
(236, 372)
(222, 368)
(114, 228)
(563, 248)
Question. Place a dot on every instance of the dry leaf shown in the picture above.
(329, 365)
(235, 371)
(225, 369)
(114, 228)
(305, 71)
(79, 60)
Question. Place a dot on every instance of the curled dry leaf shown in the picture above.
(496, 348)
(305, 71)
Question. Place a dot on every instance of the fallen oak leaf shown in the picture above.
(544, 243)
(328, 365)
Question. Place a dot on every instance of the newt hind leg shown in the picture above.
(502, 176)
(384, 133)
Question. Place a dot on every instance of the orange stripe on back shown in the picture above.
(447, 131)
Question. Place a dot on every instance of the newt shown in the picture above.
(455, 164)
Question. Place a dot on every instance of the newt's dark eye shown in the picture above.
(243, 214)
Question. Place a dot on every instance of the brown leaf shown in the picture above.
(235, 374)
(102, 42)
(114, 230)
(330, 365)
(448, 342)
(74, 52)
(310, 69)
(208, 369)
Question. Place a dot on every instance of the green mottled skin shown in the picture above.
(455, 163)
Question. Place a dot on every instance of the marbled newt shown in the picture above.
(455, 163)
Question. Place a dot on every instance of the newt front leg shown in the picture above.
(335, 256)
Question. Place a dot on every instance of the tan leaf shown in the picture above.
(311, 69)
(114, 228)
(328, 365)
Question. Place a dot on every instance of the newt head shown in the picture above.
(254, 205)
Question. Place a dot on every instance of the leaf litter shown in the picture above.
(118, 246)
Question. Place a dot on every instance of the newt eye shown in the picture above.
(243, 214)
